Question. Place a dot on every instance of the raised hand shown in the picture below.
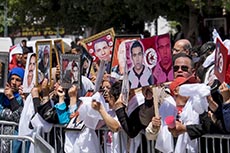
(8, 91)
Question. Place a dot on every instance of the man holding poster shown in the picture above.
(140, 75)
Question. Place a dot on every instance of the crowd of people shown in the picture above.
(197, 102)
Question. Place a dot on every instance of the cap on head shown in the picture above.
(17, 71)
(16, 49)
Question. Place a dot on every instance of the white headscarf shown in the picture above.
(16, 49)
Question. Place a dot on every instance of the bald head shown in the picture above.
(182, 46)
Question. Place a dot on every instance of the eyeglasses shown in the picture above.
(183, 68)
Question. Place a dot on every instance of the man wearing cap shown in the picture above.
(15, 58)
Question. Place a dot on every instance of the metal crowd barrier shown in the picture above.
(53, 141)
(56, 138)
(23, 139)
(40, 145)
(214, 143)
(210, 143)
(37, 142)
(7, 123)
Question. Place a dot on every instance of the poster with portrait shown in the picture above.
(59, 49)
(70, 70)
(30, 73)
(4, 61)
(86, 63)
(149, 61)
(44, 61)
(119, 54)
(221, 61)
(100, 47)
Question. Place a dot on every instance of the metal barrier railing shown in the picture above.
(56, 137)
(214, 143)
(54, 141)
(6, 128)
(7, 123)
(40, 145)
(23, 139)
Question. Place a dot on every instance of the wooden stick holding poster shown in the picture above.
(155, 100)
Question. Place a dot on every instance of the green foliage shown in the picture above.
(227, 6)
(99, 15)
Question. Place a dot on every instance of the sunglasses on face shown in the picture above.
(183, 68)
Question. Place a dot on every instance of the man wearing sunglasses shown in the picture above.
(183, 65)
(182, 46)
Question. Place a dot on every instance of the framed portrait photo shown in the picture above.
(4, 61)
(70, 70)
(100, 47)
(59, 49)
(75, 125)
(86, 63)
(30, 73)
(44, 61)
(119, 54)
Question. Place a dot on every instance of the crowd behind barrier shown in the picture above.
(102, 113)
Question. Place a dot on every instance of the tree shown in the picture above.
(125, 16)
